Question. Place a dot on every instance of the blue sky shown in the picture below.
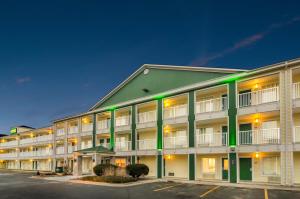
(58, 58)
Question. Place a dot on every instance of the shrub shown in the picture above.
(137, 170)
(109, 179)
(100, 169)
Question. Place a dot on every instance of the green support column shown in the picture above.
(191, 134)
(232, 112)
(94, 130)
(191, 166)
(112, 129)
(133, 159)
(133, 127)
(159, 138)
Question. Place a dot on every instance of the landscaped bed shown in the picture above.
(109, 179)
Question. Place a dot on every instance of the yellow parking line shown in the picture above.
(266, 194)
(167, 187)
(209, 191)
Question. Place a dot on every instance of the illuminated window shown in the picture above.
(121, 162)
(225, 165)
(271, 166)
(209, 165)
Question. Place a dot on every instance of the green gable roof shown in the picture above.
(150, 80)
(97, 149)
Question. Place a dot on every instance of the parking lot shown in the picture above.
(20, 185)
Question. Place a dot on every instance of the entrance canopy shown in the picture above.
(97, 149)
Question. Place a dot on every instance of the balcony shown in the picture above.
(146, 117)
(60, 150)
(212, 105)
(296, 90)
(86, 145)
(86, 129)
(260, 136)
(9, 144)
(146, 144)
(60, 132)
(123, 146)
(211, 139)
(40, 153)
(175, 142)
(73, 130)
(37, 140)
(71, 149)
(175, 111)
(259, 97)
(8, 155)
(123, 120)
(103, 126)
(106, 145)
(297, 134)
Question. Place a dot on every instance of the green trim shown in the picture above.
(191, 166)
(94, 130)
(159, 125)
(232, 111)
(133, 159)
(232, 168)
(133, 126)
(159, 165)
(112, 129)
(191, 119)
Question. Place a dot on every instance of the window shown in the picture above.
(271, 166)
(209, 165)
(121, 162)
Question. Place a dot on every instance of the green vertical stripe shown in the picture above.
(191, 166)
(133, 126)
(232, 111)
(94, 129)
(232, 167)
(159, 124)
(191, 119)
(112, 129)
(133, 159)
(159, 165)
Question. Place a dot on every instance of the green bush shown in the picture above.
(108, 179)
(100, 169)
(137, 170)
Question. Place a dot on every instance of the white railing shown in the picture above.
(106, 145)
(146, 144)
(211, 139)
(145, 117)
(211, 105)
(175, 111)
(123, 120)
(60, 132)
(8, 155)
(10, 143)
(38, 139)
(71, 149)
(73, 130)
(36, 153)
(103, 124)
(123, 146)
(296, 90)
(86, 145)
(87, 127)
(175, 142)
(296, 134)
(259, 97)
(260, 136)
(60, 150)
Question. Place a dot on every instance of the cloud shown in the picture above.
(245, 42)
(23, 80)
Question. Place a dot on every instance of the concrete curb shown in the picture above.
(130, 184)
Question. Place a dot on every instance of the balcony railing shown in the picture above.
(296, 90)
(8, 144)
(296, 134)
(145, 117)
(60, 150)
(212, 105)
(175, 142)
(260, 136)
(87, 127)
(103, 124)
(123, 146)
(146, 144)
(8, 155)
(259, 97)
(106, 145)
(175, 111)
(86, 146)
(71, 149)
(73, 130)
(211, 139)
(123, 120)
(44, 138)
(36, 153)
(60, 132)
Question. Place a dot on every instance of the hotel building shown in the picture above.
(192, 123)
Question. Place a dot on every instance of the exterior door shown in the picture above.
(224, 135)
(224, 102)
(246, 169)
(245, 133)
(245, 98)
(225, 168)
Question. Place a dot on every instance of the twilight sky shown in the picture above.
(58, 58)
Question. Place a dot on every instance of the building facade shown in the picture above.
(192, 123)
